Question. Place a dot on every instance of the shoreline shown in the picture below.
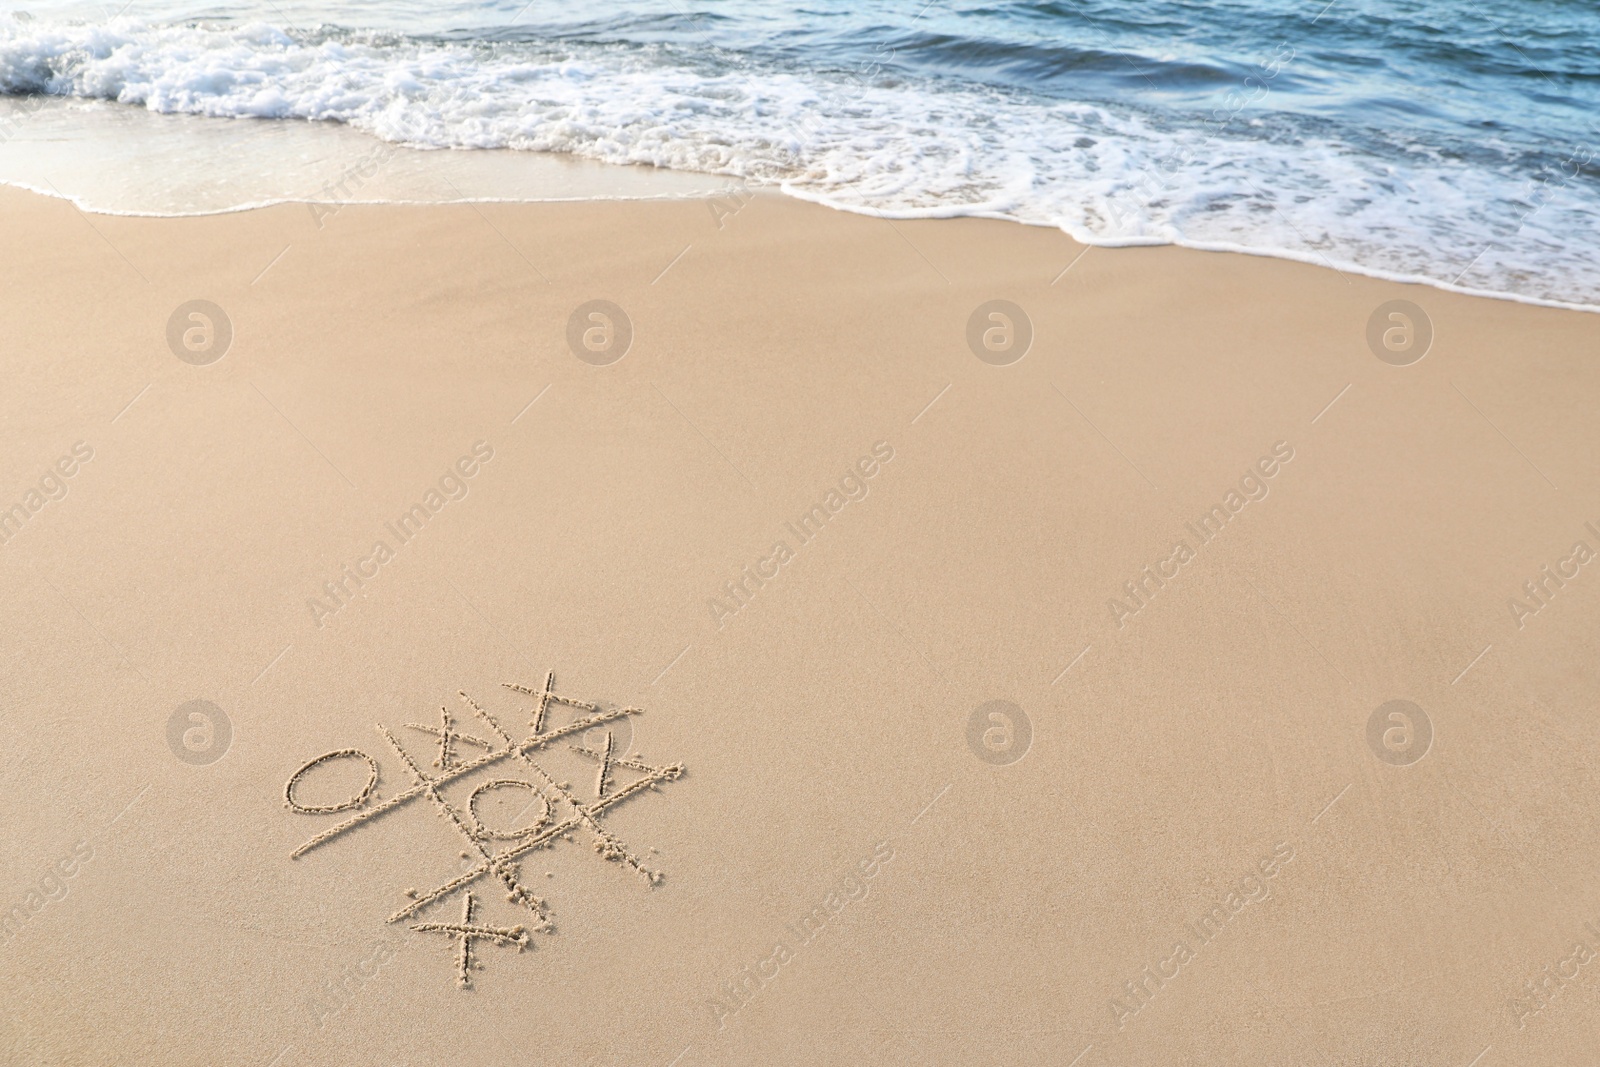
(738, 188)
(343, 165)
(1286, 255)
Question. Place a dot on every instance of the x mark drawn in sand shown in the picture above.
(561, 812)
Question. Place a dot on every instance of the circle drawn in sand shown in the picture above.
(199, 332)
(1399, 333)
(999, 333)
(485, 832)
(199, 732)
(356, 800)
(1399, 733)
(999, 732)
(599, 333)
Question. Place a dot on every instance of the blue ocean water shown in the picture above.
(1449, 141)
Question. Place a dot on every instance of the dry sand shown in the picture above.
(846, 878)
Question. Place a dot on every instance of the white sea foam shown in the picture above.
(899, 147)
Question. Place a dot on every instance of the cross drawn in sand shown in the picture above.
(551, 796)
(467, 932)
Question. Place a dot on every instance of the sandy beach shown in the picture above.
(1005, 690)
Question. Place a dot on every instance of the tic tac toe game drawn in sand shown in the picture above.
(550, 810)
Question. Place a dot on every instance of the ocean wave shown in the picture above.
(880, 141)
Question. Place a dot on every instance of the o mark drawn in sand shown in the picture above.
(560, 811)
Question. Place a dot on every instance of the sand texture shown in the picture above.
(686, 633)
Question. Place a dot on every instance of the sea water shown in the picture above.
(1447, 141)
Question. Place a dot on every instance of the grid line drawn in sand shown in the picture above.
(563, 812)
